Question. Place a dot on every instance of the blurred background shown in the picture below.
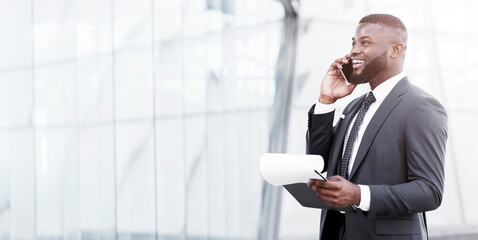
(145, 119)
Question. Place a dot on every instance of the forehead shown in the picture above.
(373, 30)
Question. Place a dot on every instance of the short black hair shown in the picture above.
(388, 21)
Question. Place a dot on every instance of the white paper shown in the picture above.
(282, 169)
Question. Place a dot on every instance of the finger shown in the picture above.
(330, 202)
(331, 193)
(316, 188)
(335, 65)
(325, 195)
(324, 198)
(336, 178)
(315, 181)
(348, 55)
(314, 184)
(339, 60)
(336, 73)
(333, 68)
(327, 186)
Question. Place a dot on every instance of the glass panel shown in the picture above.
(95, 89)
(471, 17)
(233, 181)
(196, 178)
(253, 133)
(194, 57)
(168, 59)
(134, 85)
(215, 85)
(251, 53)
(194, 18)
(449, 23)
(169, 97)
(135, 181)
(17, 186)
(464, 129)
(16, 98)
(454, 81)
(57, 206)
(195, 92)
(169, 82)
(132, 24)
(97, 183)
(54, 30)
(93, 27)
(16, 38)
(56, 90)
(216, 186)
(167, 20)
(171, 180)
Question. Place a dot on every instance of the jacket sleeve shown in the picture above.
(425, 137)
(319, 134)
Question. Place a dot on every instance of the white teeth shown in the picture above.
(356, 61)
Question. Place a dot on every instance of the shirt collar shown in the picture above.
(382, 90)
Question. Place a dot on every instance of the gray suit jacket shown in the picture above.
(401, 158)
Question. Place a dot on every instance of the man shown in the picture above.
(385, 156)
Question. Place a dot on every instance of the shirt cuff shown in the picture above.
(364, 198)
(321, 108)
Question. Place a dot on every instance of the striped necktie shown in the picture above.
(344, 164)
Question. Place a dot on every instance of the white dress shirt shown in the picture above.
(380, 92)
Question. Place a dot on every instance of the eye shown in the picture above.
(366, 42)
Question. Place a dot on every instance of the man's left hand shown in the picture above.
(337, 192)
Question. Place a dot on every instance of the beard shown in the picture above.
(370, 70)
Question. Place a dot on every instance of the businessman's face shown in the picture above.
(370, 48)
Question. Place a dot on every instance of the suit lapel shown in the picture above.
(340, 135)
(387, 106)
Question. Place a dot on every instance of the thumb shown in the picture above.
(335, 178)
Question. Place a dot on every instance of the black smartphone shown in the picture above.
(322, 176)
(347, 69)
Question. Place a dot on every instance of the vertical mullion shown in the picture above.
(113, 79)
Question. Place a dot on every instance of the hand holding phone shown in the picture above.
(336, 84)
(325, 179)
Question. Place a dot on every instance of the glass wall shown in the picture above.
(126, 119)
(145, 119)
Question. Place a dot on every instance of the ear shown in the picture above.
(396, 50)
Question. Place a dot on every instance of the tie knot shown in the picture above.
(369, 99)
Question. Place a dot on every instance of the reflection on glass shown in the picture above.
(135, 180)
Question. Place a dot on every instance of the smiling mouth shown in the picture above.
(357, 63)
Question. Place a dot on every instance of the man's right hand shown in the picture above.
(334, 86)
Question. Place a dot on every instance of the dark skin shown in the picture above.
(370, 42)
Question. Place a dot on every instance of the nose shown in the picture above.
(356, 49)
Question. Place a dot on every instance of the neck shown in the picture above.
(382, 77)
